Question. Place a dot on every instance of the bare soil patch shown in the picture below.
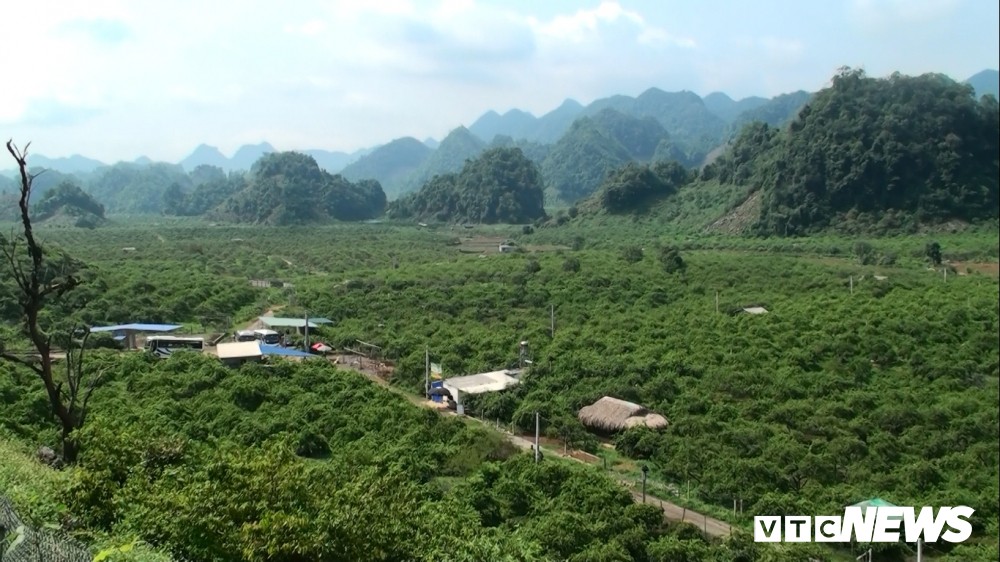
(989, 268)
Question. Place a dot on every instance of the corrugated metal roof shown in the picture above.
(483, 382)
(276, 322)
(137, 328)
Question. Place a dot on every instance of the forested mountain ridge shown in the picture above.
(500, 186)
(865, 150)
(598, 144)
(683, 115)
(127, 188)
(286, 188)
(449, 157)
(64, 203)
(727, 108)
(69, 200)
(777, 111)
(391, 165)
(863, 155)
(572, 167)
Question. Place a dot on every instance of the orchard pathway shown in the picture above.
(671, 511)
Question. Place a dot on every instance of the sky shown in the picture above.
(119, 79)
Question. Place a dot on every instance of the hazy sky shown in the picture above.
(117, 79)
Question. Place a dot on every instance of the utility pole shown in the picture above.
(716, 301)
(427, 372)
(307, 330)
(537, 425)
(645, 469)
(852, 284)
(552, 320)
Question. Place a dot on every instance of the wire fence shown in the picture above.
(21, 543)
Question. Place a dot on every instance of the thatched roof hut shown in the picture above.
(611, 414)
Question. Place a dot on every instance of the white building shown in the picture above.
(493, 381)
(234, 354)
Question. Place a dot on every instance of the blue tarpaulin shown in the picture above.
(137, 328)
(284, 351)
(437, 397)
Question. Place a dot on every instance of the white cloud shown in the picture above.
(117, 78)
(309, 28)
(585, 25)
(879, 13)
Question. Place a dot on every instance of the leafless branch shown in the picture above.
(7, 356)
(35, 282)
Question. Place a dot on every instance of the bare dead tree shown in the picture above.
(40, 281)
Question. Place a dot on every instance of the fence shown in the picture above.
(21, 543)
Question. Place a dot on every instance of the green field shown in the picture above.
(850, 387)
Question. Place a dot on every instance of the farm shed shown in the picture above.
(235, 354)
(493, 381)
(127, 332)
(299, 324)
(876, 502)
(612, 414)
(755, 310)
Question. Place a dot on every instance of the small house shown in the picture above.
(609, 415)
(234, 354)
(495, 381)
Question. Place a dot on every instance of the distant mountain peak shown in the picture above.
(67, 165)
(248, 154)
(570, 103)
(721, 96)
(985, 82)
(261, 146)
(517, 113)
(205, 154)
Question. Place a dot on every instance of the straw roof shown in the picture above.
(612, 414)
(652, 421)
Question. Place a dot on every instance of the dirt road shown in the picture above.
(671, 511)
(256, 324)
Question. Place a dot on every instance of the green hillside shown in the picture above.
(135, 188)
(581, 159)
(500, 186)
(865, 155)
(905, 149)
(449, 157)
(391, 165)
(290, 188)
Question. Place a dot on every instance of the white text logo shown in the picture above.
(875, 524)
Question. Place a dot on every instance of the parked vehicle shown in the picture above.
(267, 337)
(244, 335)
(164, 346)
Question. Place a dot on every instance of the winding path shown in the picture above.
(671, 511)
